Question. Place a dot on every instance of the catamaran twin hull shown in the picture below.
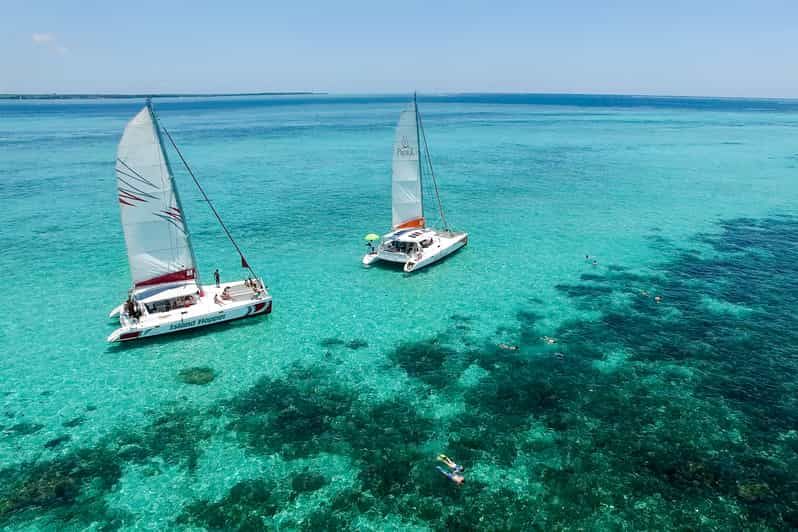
(444, 243)
(166, 297)
(411, 242)
(209, 310)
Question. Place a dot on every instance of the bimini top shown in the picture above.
(151, 294)
(410, 235)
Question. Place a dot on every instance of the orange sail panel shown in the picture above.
(410, 224)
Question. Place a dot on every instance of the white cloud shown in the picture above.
(48, 40)
(43, 38)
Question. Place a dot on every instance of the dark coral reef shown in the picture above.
(670, 405)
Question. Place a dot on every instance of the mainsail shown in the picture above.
(158, 244)
(408, 209)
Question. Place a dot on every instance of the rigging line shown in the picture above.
(418, 149)
(136, 175)
(431, 171)
(208, 201)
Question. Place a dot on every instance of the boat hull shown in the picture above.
(446, 244)
(210, 310)
(370, 258)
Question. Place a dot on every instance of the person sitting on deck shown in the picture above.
(226, 293)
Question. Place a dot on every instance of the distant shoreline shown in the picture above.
(56, 96)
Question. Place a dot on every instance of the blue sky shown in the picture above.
(711, 47)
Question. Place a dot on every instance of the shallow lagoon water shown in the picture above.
(329, 412)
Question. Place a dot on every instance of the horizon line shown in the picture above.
(136, 95)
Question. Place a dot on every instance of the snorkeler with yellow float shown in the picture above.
(456, 471)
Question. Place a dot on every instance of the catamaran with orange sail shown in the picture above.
(411, 242)
(167, 294)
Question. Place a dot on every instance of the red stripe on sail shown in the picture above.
(182, 275)
(128, 195)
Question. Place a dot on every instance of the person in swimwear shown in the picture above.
(508, 347)
(457, 478)
(456, 473)
(450, 463)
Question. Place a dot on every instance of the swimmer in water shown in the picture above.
(457, 478)
(658, 299)
(450, 463)
(549, 340)
(508, 347)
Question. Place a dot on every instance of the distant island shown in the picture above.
(56, 96)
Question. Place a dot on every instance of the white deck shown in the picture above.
(208, 309)
(407, 247)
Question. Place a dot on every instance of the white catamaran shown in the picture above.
(167, 295)
(410, 241)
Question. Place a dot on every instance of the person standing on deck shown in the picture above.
(216, 276)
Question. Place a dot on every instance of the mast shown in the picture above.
(174, 188)
(420, 126)
(418, 150)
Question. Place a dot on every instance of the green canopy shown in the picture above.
(371, 237)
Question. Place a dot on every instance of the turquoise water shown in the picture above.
(329, 412)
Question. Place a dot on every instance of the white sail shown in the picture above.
(158, 245)
(406, 190)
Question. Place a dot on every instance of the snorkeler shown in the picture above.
(457, 478)
(507, 347)
(456, 473)
(450, 463)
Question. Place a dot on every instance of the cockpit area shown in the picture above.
(408, 241)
